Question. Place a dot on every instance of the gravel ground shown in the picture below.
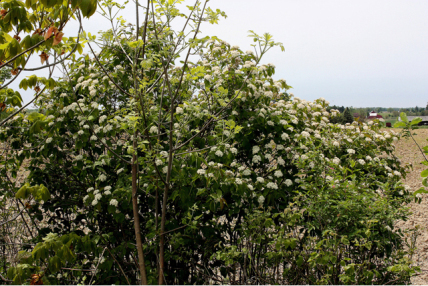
(408, 152)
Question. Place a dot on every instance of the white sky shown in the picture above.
(353, 53)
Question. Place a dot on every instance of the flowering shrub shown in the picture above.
(224, 175)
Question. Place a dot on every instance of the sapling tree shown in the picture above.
(168, 157)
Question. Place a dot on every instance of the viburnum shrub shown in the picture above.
(207, 172)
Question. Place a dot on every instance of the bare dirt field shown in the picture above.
(408, 152)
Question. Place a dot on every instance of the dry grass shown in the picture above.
(408, 152)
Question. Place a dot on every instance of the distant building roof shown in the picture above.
(356, 115)
(374, 117)
(410, 118)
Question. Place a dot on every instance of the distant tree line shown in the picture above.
(363, 112)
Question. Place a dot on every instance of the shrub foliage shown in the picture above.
(176, 159)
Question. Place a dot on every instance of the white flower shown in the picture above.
(272, 185)
(107, 193)
(246, 172)
(234, 151)
(102, 178)
(49, 140)
(419, 196)
(102, 118)
(288, 182)
(114, 202)
(256, 159)
(361, 161)
(81, 132)
(336, 161)
(270, 123)
(261, 200)
(201, 172)
(250, 187)
(328, 178)
(78, 158)
(256, 149)
(98, 196)
(278, 174)
(260, 180)
(164, 154)
(179, 110)
(306, 134)
(94, 202)
(335, 143)
(153, 129)
(285, 136)
(351, 151)
(158, 162)
(397, 173)
(238, 181)
(93, 137)
(219, 153)
(208, 77)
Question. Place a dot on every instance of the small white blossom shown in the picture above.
(219, 153)
(278, 174)
(272, 185)
(153, 129)
(114, 202)
(179, 110)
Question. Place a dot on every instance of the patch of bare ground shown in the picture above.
(408, 152)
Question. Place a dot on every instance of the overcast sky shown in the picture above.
(353, 53)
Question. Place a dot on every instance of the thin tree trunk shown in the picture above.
(162, 238)
(141, 263)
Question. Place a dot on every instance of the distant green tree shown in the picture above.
(348, 116)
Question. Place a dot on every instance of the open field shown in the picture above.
(408, 152)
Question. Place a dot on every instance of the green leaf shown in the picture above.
(399, 124)
(424, 173)
(403, 117)
(23, 192)
(55, 264)
(415, 121)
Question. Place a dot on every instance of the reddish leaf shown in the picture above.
(3, 13)
(37, 88)
(18, 38)
(14, 71)
(44, 57)
(2, 106)
(38, 32)
(50, 31)
(36, 279)
(58, 38)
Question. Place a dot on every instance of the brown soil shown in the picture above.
(408, 152)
